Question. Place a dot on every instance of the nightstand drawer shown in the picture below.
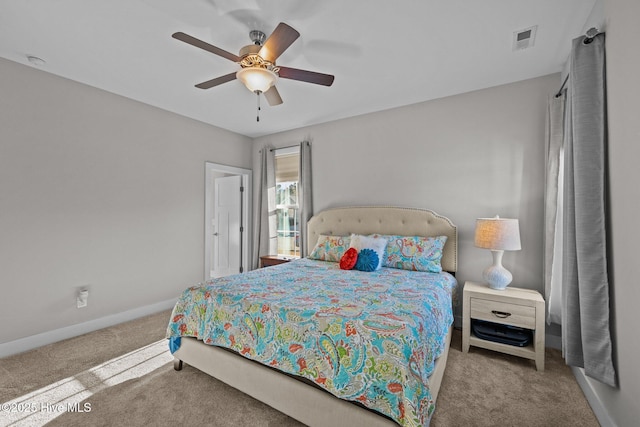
(502, 312)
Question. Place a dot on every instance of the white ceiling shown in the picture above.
(383, 53)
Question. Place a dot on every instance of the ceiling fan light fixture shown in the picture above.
(257, 79)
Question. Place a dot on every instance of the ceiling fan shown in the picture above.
(259, 71)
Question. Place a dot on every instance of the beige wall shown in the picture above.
(623, 69)
(101, 191)
(467, 156)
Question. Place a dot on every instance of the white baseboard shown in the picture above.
(596, 404)
(34, 341)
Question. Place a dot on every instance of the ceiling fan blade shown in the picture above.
(206, 46)
(217, 81)
(273, 96)
(306, 76)
(278, 42)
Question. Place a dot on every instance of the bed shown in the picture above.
(349, 361)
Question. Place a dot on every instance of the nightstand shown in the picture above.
(269, 260)
(523, 308)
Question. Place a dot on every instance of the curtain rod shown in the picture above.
(591, 34)
(288, 146)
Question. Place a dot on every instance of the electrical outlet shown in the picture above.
(83, 298)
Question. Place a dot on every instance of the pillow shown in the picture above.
(368, 260)
(349, 259)
(330, 248)
(414, 253)
(375, 243)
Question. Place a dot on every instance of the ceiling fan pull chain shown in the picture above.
(258, 112)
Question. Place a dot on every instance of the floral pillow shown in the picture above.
(376, 244)
(414, 253)
(330, 248)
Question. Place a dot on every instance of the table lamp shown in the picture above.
(498, 235)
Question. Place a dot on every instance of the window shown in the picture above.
(287, 212)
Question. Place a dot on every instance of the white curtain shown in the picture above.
(580, 215)
(305, 196)
(265, 233)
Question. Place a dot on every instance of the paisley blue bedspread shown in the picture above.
(370, 337)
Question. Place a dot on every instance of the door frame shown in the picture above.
(246, 213)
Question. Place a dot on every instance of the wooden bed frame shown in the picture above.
(298, 399)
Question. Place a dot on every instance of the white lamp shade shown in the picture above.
(257, 79)
(498, 234)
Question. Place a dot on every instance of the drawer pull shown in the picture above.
(500, 314)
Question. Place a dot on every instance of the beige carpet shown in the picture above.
(122, 376)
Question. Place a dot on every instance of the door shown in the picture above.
(214, 171)
(227, 226)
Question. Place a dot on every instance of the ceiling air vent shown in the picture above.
(524, 39)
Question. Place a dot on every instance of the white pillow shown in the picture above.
(377, 244)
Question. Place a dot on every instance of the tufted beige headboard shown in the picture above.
(386, 220)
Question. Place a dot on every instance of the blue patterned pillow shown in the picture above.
(414, 253)
(330, 248)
